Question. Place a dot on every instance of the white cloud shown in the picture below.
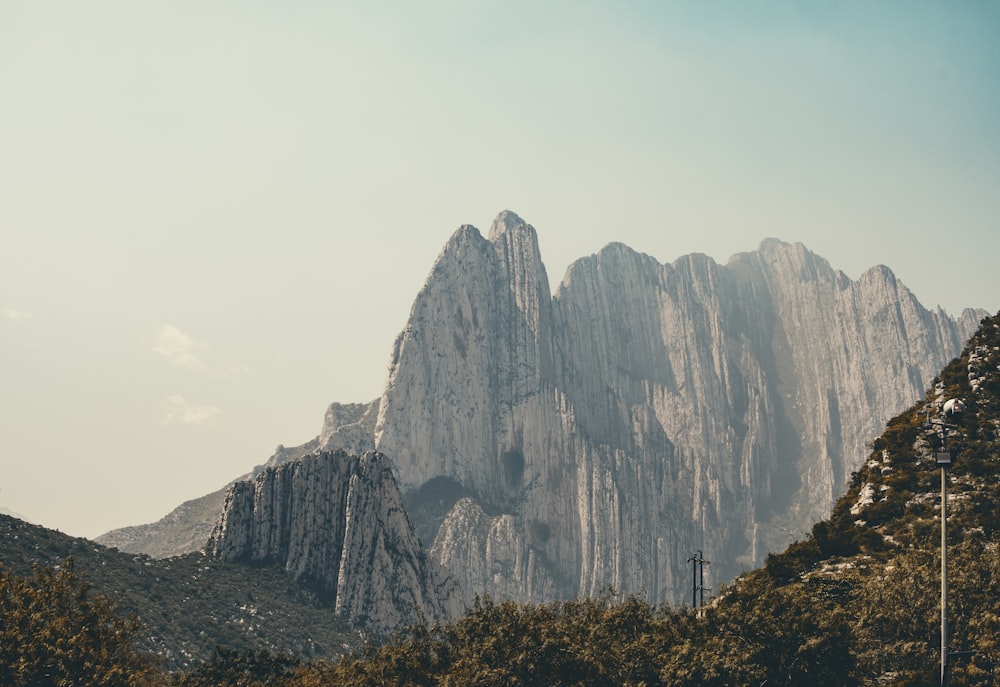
(179, 348)
(15, 314)
(177, 410)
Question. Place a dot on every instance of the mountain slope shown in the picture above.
(190, 604)
(878, 556)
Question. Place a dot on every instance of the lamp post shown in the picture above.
(944, 461)
(953, 410)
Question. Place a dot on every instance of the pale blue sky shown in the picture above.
(214, 217)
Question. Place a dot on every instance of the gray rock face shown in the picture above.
(601, 436)
(337, 522)
(350, 427)
(347, 426)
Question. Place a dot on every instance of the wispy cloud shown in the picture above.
(179, 348)
(15, 314)
(177, 410)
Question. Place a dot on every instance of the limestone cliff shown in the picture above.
(337, 522)
(602, 435)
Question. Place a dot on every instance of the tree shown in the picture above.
(53, 632)
(242, 669)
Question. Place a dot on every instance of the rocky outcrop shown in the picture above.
(602, 435)
(347, 426)
(337, 522)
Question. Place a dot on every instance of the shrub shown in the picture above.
(53, 632)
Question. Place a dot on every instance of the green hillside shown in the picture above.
(187, 605)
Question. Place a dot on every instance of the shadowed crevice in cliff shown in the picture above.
(786, 482)
(835, 443)
(785, 479)
(512, 464)
(428, 505)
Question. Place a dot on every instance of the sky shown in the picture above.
(215, 216)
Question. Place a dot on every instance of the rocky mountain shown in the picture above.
(602, 435)
(337, 523)
(550, 445)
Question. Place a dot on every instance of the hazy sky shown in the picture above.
(214, 216)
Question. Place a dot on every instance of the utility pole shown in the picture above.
(952, 410)
(944, 460)
(698, 587)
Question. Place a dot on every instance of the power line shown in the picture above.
(698, 587)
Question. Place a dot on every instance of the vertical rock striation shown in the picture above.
(337, 523)
(602, 435)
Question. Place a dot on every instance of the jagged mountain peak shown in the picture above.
(614, 258)
(466, 237)
(881, 275)
(792, 260)
(507, 228)
(772, 244)
(508, 221)
(616, 253)
(512, 240)
(350, 427)
(775, 246)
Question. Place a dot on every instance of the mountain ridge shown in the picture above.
(579, 414)
(600, 434)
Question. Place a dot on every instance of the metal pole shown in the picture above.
(944, 578)
(694, 580)
(952, 410)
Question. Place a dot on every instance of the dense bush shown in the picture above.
(229, 667)
(54, 632)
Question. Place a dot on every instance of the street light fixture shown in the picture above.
(952, 411)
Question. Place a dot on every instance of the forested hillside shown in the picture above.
(187, 605)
